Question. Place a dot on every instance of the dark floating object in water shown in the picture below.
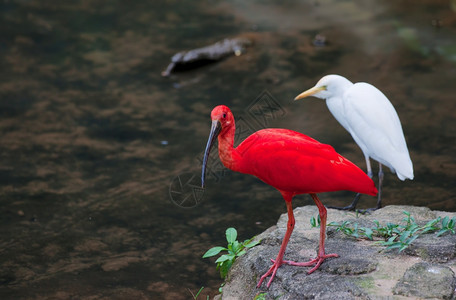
(195, 58)
(319, 40)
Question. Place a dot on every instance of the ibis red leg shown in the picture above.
(321, 249)
(290, 226)
(279, 260)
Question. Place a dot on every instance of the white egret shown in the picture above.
(370, 118)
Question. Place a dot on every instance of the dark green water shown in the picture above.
(94, 141)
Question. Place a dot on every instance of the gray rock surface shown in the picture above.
(427, 280)
(363, 270)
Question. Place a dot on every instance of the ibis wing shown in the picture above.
(290, 161)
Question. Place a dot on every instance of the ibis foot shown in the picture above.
(316, 261)
(272, 271)
(275, 266)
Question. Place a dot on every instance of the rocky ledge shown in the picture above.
(363, 270)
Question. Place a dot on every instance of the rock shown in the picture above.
(363, 270)
(433, 248)
(426, 280)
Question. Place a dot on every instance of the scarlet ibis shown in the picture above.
(370, 118)
(291, 162)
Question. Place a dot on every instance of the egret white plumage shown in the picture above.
(367, 114)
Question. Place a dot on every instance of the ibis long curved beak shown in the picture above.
(215, 130)
(310, 92)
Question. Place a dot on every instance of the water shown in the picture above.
(94, 141)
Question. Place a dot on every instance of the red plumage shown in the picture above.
(293, 162)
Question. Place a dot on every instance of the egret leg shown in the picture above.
(321, 248)
(352, 206)
(290, 226)
(380, 184)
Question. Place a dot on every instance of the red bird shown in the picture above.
(291, 162)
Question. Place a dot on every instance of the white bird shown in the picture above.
(370, 118)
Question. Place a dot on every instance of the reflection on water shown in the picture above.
(93, 138)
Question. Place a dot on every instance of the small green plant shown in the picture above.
(315, 222)
(447, 225)
(401, 242)
(404, 235)
(234, 250)
(195, 297)
(261, 296)
(397, 236)
(431, 225)
(355, 231)
(386, 231)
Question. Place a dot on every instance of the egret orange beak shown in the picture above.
(310, 92)
(215, 130)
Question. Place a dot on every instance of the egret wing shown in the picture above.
(375, 125)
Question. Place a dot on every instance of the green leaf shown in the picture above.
(348, 231)
(427, 229)
(442, 231)
(432, 223)
(224, 257)
(213, 251)
(451, 223)
(236, 247)
(391, 240)
(403, 247)
(368, 232)
(252, 244)
(355, 231)
(261, 296)
(225, 267)
(413, 238)
(231, 235)
(240, 253)
(313, 222)
(395, 245)
(404, 236)
(199, 292)
(414, 229)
